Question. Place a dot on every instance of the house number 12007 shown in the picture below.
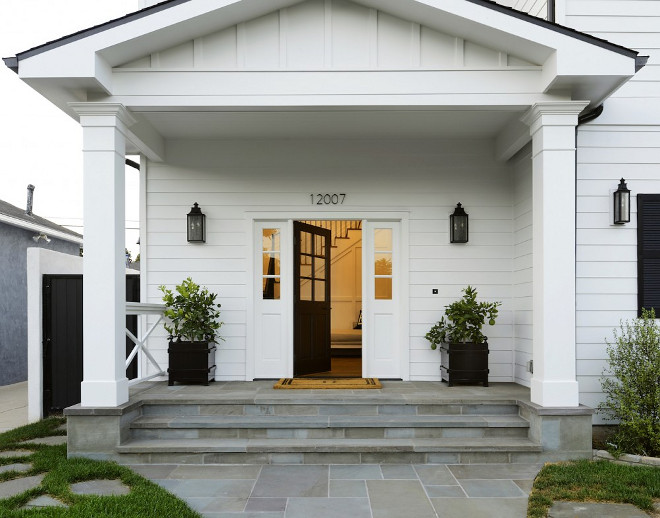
(327, 199)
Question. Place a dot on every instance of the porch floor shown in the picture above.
(262, 392)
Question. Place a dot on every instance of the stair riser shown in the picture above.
(345, 458)
(326, 433)
(181, 410)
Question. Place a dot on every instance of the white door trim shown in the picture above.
(285, 219)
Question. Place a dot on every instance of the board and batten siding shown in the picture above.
(327, 35)
(623, 142)
(425, 178)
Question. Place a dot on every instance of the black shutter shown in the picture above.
(648, 252)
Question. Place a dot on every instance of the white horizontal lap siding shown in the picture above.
(522, 266)
(623, 142)
(425, 178)
(606, 269)
(631, 23)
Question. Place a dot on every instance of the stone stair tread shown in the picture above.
(357, 421)
(328, 445)
(321, 397)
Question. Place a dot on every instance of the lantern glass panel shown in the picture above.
(621, 207)
(196, 226)
(459, 229)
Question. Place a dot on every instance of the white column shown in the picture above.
(104, 267)
(552, 126)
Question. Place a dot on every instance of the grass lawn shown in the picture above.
(145, 500)
(588, 481)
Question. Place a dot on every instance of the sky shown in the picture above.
(39, 144)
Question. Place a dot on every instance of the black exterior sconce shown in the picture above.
(622, 204)
(196, 225)
(458, 225)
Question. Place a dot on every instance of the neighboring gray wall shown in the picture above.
(14, 243)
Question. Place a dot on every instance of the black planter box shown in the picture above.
(191, 362)
(464, 363)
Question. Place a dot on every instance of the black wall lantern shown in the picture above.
(196, 225)
(622, 204)
(458, 225)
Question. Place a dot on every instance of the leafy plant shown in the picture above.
(192, 312)
(463, 320)
(633, 391)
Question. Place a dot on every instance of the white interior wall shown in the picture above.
(346, 280)
(425, 177)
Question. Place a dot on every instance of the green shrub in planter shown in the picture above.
(463, 347)
(193, 315)
(464, 320)
(633, 390)
(192, 312)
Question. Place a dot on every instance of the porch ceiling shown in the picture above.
(417, 122)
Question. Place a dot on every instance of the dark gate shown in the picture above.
(63, 342)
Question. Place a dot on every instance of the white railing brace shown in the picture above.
(139, 308)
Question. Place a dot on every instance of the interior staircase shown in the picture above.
(316, 429)
(340, 228)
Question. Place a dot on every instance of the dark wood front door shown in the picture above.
(311, 321)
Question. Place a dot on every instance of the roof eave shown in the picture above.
(36, 227)
(11, 63)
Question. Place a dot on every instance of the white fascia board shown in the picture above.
(303, 85)
(15, 222)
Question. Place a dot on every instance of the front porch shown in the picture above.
(402, 423)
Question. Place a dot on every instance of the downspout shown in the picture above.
(132, 163)
(551, 11)
(583, 118)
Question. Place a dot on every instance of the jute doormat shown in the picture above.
(328, 383)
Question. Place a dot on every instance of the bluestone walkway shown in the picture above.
(355, 491)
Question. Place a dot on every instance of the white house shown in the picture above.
(380, 116)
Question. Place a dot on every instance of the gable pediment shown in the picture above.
(327, 35)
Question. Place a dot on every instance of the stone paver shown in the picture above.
(348, 488)
(53, 440)
(474, 507)
(397, 498)
(43, 501)
(100, 487)
(329, 508)
(492, 489)
(14, 453)
(594, 510)
(292, 481)
(20, 468)
(19, 485)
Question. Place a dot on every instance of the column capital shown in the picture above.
(96, 110)
(553, 113)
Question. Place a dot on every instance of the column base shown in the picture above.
(104, 393)
(555, 393)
